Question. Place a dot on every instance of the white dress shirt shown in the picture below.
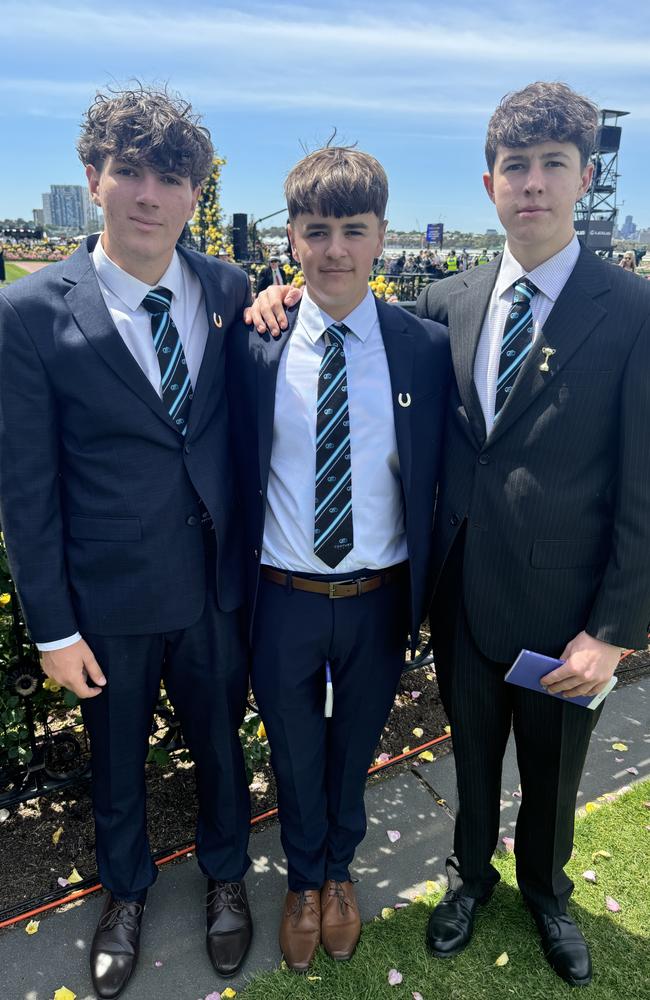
(377, 503)
(549, 278)
(123, 295)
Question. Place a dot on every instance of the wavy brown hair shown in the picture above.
(337, 181)
(146, 126)
(539, 113)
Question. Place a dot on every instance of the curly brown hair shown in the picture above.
(337, 181)
(539, 113)
(143, 125)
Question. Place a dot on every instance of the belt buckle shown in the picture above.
(333, 596)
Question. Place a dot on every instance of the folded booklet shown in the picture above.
(529, 668)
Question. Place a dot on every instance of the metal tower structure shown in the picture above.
(595, 213)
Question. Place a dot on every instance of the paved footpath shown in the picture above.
(173, 962)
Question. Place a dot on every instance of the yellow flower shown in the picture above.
(50, 685)
(261, 731)
(32, 927)
(5, 598)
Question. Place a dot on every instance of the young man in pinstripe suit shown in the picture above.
(542, 530)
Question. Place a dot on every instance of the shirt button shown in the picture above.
(192, 520)
(484, 460)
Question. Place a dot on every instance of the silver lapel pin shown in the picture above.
(217, 320)
(404, 399)
(548, 352)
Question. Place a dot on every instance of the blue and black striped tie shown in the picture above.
(517, 340)
(333, 537)
(175, 381)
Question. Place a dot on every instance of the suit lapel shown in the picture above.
(466, 312)
(266, 352)
(85, 301)
(215, 306)
(400, 348)
(571, 320)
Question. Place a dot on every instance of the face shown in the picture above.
(336, 256)
(535, 189)
(144, 214)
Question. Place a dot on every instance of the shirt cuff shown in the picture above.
(45, 647)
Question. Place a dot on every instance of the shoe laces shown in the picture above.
(335, 889)
(301, 901)
(124, 912)
(226, 894)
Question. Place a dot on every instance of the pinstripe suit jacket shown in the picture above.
(557, 499)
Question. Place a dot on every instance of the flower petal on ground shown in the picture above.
(213, 996)
(431, 886)
(401, 906)
(601, 854)
(394, 977)
(502, 959)
(314, 979)
(63, 882)
(56, 836)
(228, 993)
(74, 876)
(387, 912)
(417, 996)
(382, 758)
(158, 964)
(508, 843)
(63, 993)
(448, 730)
(393, 835)
(612, 905)
(632, 770)
(619, 746)
(4, 815)
(591, 807)
(32, 927)
(418, 731)
(415, 695)
(590, 876)
(426, 755)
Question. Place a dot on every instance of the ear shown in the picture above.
(488, 184)
(294, 252)
(379, 249)
(93, 175)
(585, 180)
(196, 194)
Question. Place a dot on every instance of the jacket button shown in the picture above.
(454, 520)
(484, 460)
(260, 493)
(255, 553)
(192, 520)
(187, 449)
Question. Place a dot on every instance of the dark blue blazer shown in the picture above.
(98, 489)
(419, 364)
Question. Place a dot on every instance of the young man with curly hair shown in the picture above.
(118, 507)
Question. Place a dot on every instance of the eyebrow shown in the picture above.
(553, 154)
(325, 225)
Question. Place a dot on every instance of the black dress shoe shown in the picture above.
(451, 923)
(114, 951)
(230, 928)
(565, 949)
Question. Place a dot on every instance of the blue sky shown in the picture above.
(412, 83)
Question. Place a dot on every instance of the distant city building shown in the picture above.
(69, 206)
(643, 235)
(491, 232)
(628, 229)
(39, 217)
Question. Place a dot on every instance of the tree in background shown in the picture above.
(207, 224)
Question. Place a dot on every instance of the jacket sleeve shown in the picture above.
(30, 502)
(621, 611)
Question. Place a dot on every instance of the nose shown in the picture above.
(336, 248)
(535, 178)
(148, 189)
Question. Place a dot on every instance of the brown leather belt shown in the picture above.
(342, 588)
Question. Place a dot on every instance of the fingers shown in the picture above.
(72, 667)
(248, 316)
(93, 669)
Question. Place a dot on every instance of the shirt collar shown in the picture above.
(549, 277)
(315, 320)
(130, 290)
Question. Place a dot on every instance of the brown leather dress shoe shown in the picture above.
(229, 925)
(340, 920)
(114, 951)
(300, 928)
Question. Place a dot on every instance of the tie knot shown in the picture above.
(336, 333)
(524, 289)
(158, 300)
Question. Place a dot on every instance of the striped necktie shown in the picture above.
(517, 340)
(175, 381)
(333, 537)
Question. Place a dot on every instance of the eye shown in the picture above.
(126, 171)
(513, 166)
(170, 179)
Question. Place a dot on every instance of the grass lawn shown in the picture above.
(12, 273)
(620, 942)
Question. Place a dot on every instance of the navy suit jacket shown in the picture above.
(98, 489)
(419, 364)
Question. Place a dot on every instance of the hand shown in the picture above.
(72, 666)
(267, 312)
(589, 664)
